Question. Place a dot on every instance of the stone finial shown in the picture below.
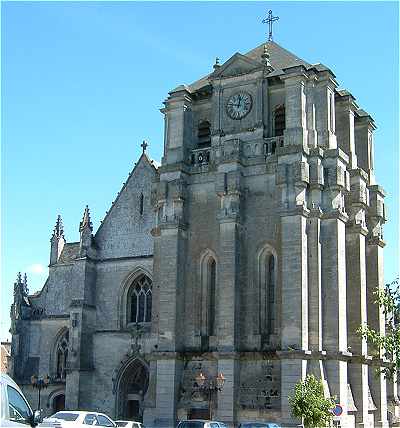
(216, 64)
(58, 231)
(265, 57)
(86, 222)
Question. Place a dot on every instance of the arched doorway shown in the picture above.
(58, 403)
(132, 387)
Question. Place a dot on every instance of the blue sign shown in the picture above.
(337, 410)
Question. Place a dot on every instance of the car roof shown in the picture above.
(8, 381)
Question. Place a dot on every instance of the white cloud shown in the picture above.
(36, 269)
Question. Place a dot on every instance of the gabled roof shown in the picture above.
(280, 58)
(143, 159)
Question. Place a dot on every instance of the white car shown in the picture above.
(129, 424)
(77, 419)
(14, 408)
(200, 423)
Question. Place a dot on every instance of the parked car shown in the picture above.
(200, 423)
(77, 419)
(15, 410)
(259, 425)
(129, 424)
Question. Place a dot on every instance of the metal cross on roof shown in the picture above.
(144, 145)
(270, 20)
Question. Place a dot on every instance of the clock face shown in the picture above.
(239, 105)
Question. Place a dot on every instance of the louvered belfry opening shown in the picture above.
(204, 134)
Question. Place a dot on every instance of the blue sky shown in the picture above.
(82, 85)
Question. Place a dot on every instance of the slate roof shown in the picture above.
(70, 252)
(280, 58)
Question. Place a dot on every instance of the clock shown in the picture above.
(239, 105)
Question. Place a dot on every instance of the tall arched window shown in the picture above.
(141, 203)
(139, 300)
(208, 271)
(279, 120)
(271, 295)
(62, 356)
(267, 294)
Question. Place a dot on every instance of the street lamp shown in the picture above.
(40, 383)
(210, 386)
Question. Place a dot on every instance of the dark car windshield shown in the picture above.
(191, 424)
(66, 416)
(121, 424)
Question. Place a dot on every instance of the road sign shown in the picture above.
(337, 410)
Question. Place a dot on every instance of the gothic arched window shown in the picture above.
(204, 133)
(139, 300)
(279, 120)
(267, 294)
(208, 295)
(62, 356)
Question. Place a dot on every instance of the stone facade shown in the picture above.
(252, 251)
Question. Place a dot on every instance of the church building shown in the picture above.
(217, 280)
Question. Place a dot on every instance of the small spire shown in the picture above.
(25, 285)
(19, 278)
(58, 229)
(144, 146)
(86, 222)
(217, 64)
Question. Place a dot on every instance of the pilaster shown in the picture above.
(228, 188)
(345, 115)
(325, 109)
(295, 106)
(374, 282)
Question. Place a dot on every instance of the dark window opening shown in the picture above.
(212, 279)
(141, 200)
(279, 120)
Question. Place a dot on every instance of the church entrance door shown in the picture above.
(59, 403)
(133, 384)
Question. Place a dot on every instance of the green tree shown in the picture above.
(388, 344)
(309, 403)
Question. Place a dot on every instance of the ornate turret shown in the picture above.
(85, 229)
(20, 299)
(57, 241)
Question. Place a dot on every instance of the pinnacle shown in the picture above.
(58, 229)
(86, 222)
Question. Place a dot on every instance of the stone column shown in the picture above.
(325, 110)
(228, 365)
(314, 280)
(333, 275)
(169, 370)
(295, 106)
(356, 232)
(345, 108)
(178, 125)
(169, 261)
(364, 127)
(375, 281)
(292, 178)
